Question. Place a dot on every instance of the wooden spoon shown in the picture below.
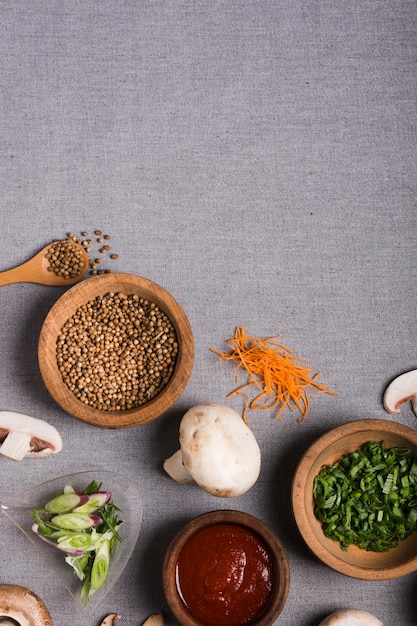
(39, 269)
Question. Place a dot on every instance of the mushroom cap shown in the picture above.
(351, 617)
(24, 606)
(219, 450)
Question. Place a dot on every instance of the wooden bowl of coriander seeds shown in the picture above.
(116, 351)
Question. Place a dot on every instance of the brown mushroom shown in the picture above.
(22, 607)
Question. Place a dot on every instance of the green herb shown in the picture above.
(369, 497)
(84, 526)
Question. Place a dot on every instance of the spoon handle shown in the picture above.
(15, 275)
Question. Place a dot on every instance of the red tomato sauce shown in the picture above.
(225, 575)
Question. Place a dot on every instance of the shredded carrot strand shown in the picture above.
(279, 377)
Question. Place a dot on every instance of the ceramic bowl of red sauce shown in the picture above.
(226, 568)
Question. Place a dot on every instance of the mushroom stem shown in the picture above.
(177, 470)
(16, 445)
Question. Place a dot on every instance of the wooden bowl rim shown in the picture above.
(66, 306)
(302, 484)
(279, 556)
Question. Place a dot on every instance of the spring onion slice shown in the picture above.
(368, 498)
(84, 526)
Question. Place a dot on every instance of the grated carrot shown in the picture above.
(279, 377)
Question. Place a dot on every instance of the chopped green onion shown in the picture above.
(388, 484)
(65, 502)
(75, 521)
(79, 564)
(84, 542)
(100, 565)
(368, 497)
(93, 502)
(84, 526)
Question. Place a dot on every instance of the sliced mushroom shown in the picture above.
(351, 617)
(218, 451)
(23, 607)
(157, 619)
(22, 436)
(401, 389)
(153, 620)
(110, 620)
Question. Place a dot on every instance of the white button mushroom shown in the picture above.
(401, 389)
(218, 451)
(351, 617)
(22, 436)
(22, 607)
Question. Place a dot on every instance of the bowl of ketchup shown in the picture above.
(226, 568)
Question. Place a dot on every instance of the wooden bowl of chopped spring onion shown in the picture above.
(354, 498)
(116, 351)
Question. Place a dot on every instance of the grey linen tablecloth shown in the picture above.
(257, 159)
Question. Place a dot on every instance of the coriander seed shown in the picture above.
(117, 351)
(65, 259)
